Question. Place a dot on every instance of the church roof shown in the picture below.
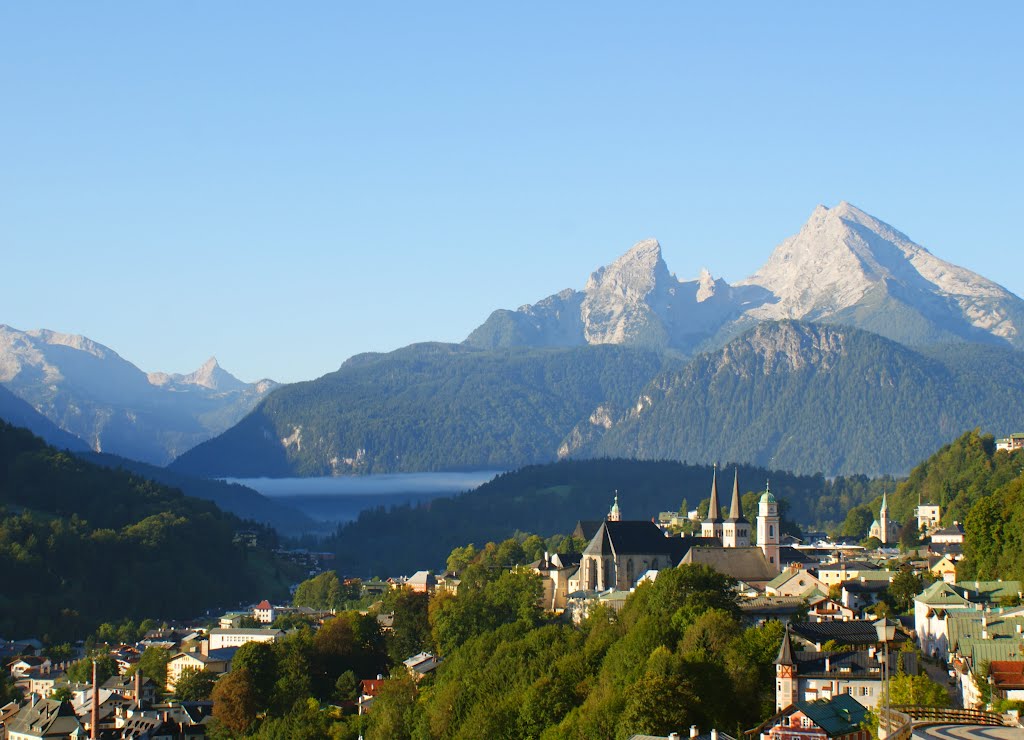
(736, 510)
(745, 564)
(633, 537)
(714, 509)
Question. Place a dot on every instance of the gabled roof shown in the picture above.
(1007, 674)
(587, 528)
(264, 605)
(854, 632)
(746, 564)
(633, 538)
(851, 664)
(991, 590)
(941, 594)
(837, 716)
(48, 718)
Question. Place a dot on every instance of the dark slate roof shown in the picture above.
(856, 632)
(634, 537)
(840, 715)
(789, 554)
(954, 529)
(586, 528)
(850, 663)
(858, 587)
(48, 718)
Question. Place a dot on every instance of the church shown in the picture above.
(620, 552)
(886, 530)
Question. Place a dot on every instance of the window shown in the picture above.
(805, 722)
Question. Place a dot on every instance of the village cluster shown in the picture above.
(830, 669)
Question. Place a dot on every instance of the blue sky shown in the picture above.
(285, 185)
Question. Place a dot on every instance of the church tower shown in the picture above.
(615, 515)
(768, 535)
(883, 521)
(712, 526)
(736, 529)
(787, 685)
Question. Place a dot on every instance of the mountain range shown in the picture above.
(89, 391)
(852, 350)
(843, 267)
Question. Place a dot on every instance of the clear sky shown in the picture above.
(287, 184)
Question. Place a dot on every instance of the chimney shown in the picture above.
(714, 734)
(138, 687)
(204, 647)
(94, 715)
(693, 731)
(828, 664)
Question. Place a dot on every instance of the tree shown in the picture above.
(918, 691)
(322, 592)
(235, 701)
(904, 587)
(153, 664)
(81, 671)
(393, 715)
(410, 630)
(194, 685)
(260, 659)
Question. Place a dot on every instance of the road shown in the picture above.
(968, 732)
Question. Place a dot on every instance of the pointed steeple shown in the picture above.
(736, 510)
(885, 504)
(785, 651)
(714, 509)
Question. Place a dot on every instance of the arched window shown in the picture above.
(629, 571)
(771, 530)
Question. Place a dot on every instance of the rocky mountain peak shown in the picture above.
(633, 275)
(211, 375)
(705, 285)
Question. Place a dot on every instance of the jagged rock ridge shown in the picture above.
(844, 266)
(90, 391)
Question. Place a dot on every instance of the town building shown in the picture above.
(838, 718)
(809, 675)
(236, 637)
(45, 718)
(1012, 443)
(929, 518)
(264, 612)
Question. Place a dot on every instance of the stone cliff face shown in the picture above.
(90, 391)
(843, 266)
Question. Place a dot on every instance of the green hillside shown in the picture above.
(82, 544)
(812, 398)
(427, 407)
(802, 397)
